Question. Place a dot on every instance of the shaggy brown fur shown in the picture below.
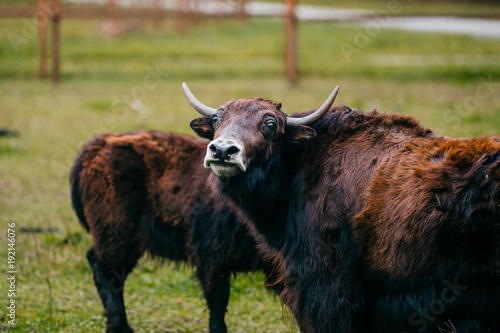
(426, 181)
(373, 220)
(145, 192)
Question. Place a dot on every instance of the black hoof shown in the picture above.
(121, 329)
(218, 328)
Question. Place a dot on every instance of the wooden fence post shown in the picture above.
(157, 19)
(56, 17)
(113, 11)
(43, 18)
(181, 16)
(241, 12)
(292, 72)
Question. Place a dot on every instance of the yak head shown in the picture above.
(249, 130)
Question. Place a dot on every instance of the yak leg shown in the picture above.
(216, 290)
(109, 282)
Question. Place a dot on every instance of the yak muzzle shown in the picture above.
(225, 157)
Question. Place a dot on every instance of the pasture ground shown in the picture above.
(450, 83)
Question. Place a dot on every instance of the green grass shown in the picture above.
(437, 78)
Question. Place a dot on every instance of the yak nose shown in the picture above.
(222, 152)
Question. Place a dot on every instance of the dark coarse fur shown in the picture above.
(377, 224)
(145, 192)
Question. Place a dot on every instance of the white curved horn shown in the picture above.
(196, 104)
(316, 114)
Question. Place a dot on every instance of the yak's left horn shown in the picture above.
(316, 115)
(196, 104)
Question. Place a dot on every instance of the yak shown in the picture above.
(376, 223)
(145, 192)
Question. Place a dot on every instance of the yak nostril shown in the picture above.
(232, 150)
(222, 153)
(216, 151)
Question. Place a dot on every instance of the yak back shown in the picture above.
(332, 172)
(408, 197)
(139, 186)
(148, 189)
(434, 208)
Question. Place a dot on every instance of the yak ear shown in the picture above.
(299, 134)
(203, 127)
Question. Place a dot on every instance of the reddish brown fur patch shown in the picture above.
(147, 155)
(417, 208)
(411, 194)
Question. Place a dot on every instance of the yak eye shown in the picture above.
(271, 124)
(269, 128)
(215, 118)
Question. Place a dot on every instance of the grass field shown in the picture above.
(450, 83)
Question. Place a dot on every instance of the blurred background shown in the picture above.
(72, 69)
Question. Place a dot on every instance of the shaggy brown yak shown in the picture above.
(145, 192)
(377, 224)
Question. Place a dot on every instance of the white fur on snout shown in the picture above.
(234, 160)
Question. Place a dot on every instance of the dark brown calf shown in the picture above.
(145, 192)
(377, 224)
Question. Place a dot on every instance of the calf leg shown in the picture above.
(215, 286)
(109, 282)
